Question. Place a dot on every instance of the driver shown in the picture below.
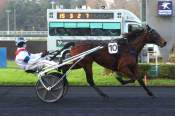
(28, 61)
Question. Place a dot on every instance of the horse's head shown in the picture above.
(154, 37)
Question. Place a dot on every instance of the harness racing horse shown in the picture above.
(124, 63)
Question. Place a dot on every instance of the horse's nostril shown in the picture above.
(165, 43)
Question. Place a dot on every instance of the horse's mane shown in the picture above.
(133, 34)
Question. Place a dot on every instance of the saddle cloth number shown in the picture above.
(113, 48)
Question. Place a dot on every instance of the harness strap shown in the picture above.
(133, 51)
(115, 58)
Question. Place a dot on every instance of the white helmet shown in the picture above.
(19, 40)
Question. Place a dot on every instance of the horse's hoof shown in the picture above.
(153, 97)
(123, 83)
(105, 97)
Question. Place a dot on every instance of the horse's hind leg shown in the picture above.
(89, 77)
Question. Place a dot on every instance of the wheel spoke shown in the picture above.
(54, 95)
(41, 87)
(57, 87)
(45, 81)
(53, 81)
(45, 94)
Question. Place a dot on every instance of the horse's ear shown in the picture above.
(147, 28)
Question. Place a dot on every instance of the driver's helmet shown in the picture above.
(20, 41)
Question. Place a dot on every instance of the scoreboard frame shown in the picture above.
(84, 15)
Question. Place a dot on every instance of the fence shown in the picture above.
(23, 33)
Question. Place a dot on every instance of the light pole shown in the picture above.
(143, 13)
(8, 18)
(14, 19)
(76, 3)
(52, 3)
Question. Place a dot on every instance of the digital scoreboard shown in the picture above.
(85, 15)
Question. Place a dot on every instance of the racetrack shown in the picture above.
(83, 101)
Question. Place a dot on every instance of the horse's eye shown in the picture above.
(155, 35)
(151, 31)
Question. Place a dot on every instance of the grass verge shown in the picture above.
(12, 75)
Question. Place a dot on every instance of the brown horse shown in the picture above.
(124, 63)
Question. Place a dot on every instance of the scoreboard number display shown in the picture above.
(85, 16)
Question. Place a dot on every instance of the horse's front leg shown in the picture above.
(89, 78)
(125, 70)
(132, 80)
(141, 82)
(123, 82)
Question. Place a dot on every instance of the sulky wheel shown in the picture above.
(54, 93)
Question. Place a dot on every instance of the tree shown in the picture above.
(95, 4)
(30, 15)
(132, 5)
